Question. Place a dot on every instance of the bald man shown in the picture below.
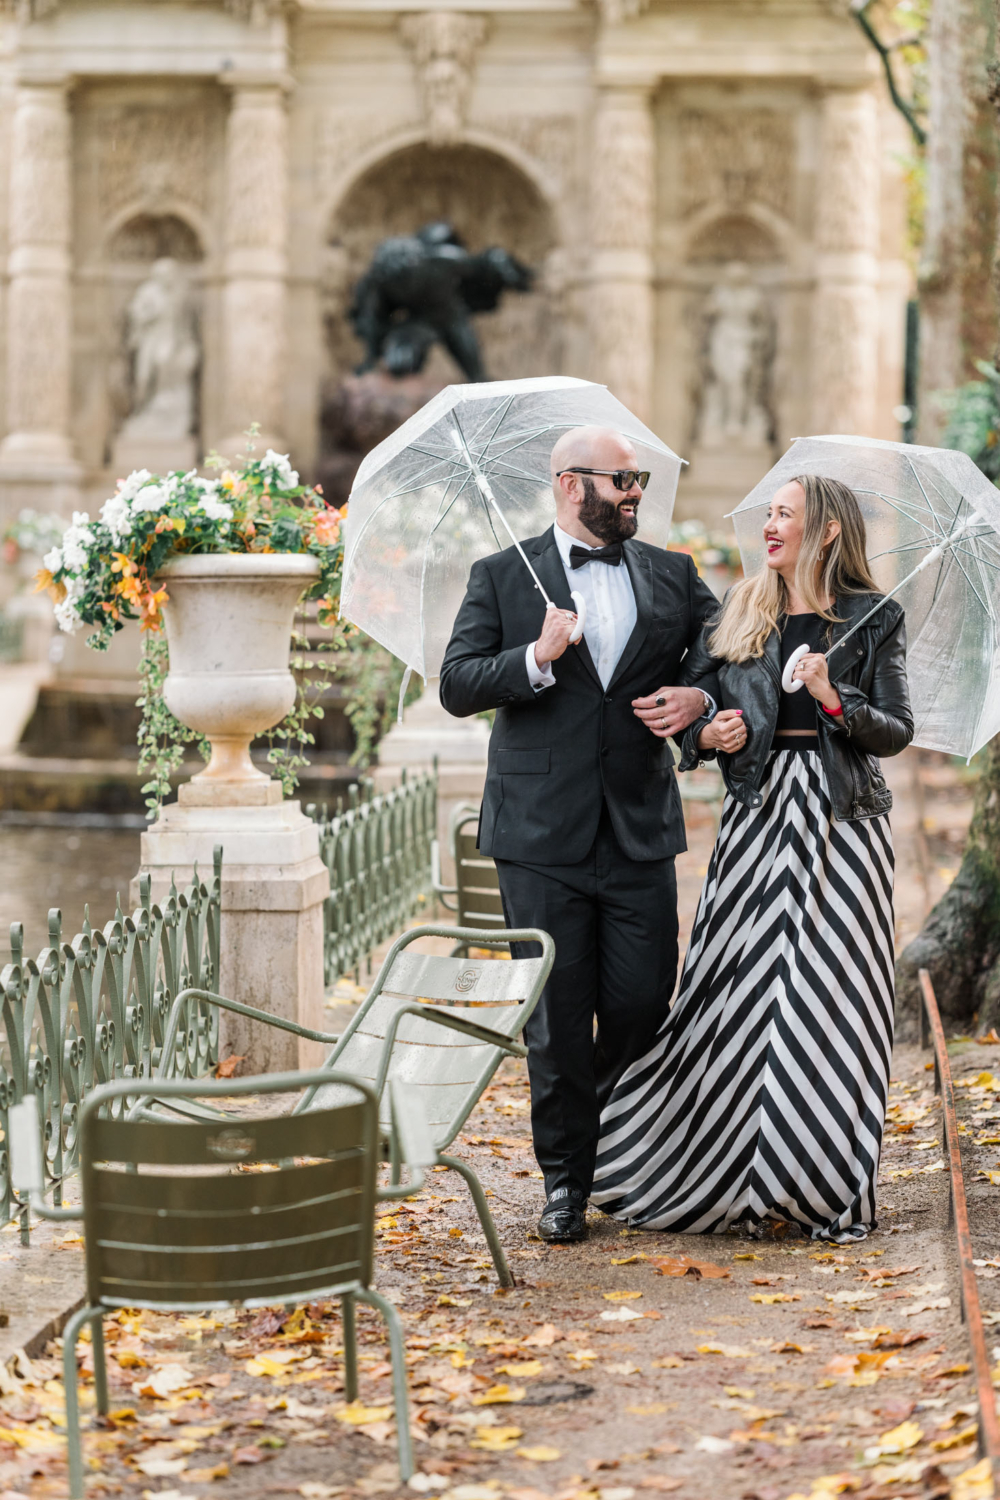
(581, 810)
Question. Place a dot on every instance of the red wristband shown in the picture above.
(835, 713)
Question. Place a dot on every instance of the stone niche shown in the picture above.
(490, 201)
(733, 208)
(733, 277)
(147, 232)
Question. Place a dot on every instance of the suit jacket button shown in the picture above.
(605, 750)
(607, 700)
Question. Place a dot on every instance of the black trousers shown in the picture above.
(614, 923)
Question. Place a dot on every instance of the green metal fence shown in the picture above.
(378, 852)
(94, 1009)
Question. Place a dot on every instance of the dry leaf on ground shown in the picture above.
(683, 1265)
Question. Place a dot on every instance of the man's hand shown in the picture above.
(556, 631)
(669, 709)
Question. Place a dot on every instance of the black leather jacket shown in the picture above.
(869, 673)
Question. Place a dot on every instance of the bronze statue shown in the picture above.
(421, 288)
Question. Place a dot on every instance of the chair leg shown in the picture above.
(395, 1328)
(100, 1366)
(70, 1335)
(350, 1347)
(485, 1217)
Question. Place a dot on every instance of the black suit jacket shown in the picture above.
(557, 755)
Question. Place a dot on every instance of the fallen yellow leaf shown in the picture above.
(496, 1439)
(540, 1454)
(769, 1297)
(731, 1351)
(497, 1395)
(357, 1415)
(672, 1362)
(621, 1296)
(974, 1484)
(899, 1439)
(956, 1439)
(522, 1368)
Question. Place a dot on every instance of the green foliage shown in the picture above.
(374, 677)
(162, 738)
(974, 420)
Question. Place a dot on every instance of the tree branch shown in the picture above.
(859, 10)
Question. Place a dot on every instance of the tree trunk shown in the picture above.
(960, 941)
(958, 306)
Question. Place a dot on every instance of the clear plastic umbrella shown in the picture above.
(933, 524)
(465, 476)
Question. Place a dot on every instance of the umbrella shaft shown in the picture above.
(933, 555)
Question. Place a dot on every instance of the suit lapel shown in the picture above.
(640, 570)
(549, 567)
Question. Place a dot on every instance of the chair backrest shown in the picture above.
(476, 879)
(447, 1071)
(266, 1209)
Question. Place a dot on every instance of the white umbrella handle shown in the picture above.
(581, 616)
(790, 665)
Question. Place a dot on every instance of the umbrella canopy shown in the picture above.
(459, 480)
(933, 524)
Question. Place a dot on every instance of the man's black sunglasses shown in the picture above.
(622, 479)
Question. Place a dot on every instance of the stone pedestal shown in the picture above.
(274, 885)
(461, 747)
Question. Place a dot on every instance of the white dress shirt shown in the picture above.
(611, 612)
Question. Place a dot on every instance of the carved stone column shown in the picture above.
(37, 450)
(621, 225)
(846, 322)
(255, 268)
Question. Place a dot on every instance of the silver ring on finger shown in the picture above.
(663, 723)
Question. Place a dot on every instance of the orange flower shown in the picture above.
(123, 564)
(327, 528)
(149, 609)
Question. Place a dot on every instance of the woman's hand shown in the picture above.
(727, 732)
(812, 670)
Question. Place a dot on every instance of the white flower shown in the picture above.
(115, 515)
(278, 470)
(66, 613)
(53, 560)
(215, 509)
(130, 487)
(77, 542)
(150, 497)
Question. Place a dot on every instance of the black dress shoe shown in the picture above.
(564, 1217)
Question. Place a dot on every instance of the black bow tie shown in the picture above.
(612, 554)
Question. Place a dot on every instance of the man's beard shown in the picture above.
(603, 518)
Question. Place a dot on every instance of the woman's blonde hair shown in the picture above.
(754, 606)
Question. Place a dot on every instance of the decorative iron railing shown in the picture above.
(95, 1009)
(378, 852)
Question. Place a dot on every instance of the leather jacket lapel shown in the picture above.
(549, 567)
(640, 571)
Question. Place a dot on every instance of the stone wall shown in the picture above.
(686, 178)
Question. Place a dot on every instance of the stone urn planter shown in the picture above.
(229, 626)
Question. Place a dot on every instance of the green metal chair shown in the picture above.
(476, 892)
(442, 1025)
(170, 1223)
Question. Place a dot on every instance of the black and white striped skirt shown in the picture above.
(764, 1094)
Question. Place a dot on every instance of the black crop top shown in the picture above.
(797, 711)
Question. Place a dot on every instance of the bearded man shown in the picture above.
(581, 810)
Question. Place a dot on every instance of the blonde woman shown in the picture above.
(763, 1097)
